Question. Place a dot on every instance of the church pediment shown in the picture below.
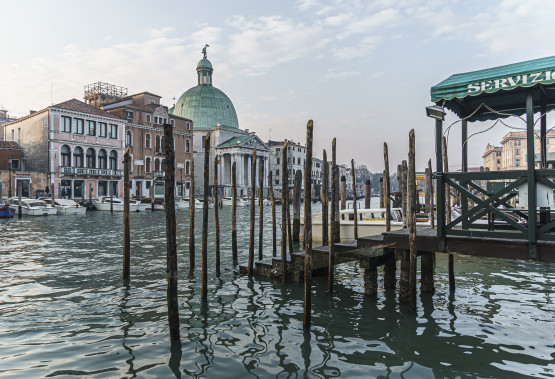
(253, 142)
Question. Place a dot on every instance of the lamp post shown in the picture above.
(10, 177)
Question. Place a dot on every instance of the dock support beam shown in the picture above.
(404, 290)
(427, 272)
(371, 280)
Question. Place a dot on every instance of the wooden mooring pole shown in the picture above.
(403, 183)
(261, 205)
(355, 216)
(205, 217)
(234, 212)
(191, 216)
(297, 205)
(336, 206)
(217, 215)
(367, 194)
(431, 192)
(448, 214)
(334, 221)
(284, 214)
(289, 233)
(126, 226)
(308, 226)
(381, 190)
(272, 197)
(252, 213)
(390, 266)
(411, 207)
(325, 199)
(171, 244)
(343, 192)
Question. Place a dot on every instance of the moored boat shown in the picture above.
(107, 203)
(31, 207)
(6, 211)
(65, 206)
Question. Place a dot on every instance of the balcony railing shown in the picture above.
(83, 171)
(159, 174)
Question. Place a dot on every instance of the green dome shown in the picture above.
(206, 106)
(204, 63)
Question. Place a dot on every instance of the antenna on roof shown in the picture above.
(269, 134)
(51, 85)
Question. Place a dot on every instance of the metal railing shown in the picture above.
(83, 171)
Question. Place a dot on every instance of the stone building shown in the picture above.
(213, 112)
(77, 147)
(296, 157)
(144, 134)
(492, 158)
(513, 152)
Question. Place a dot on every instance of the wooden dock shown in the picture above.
(375, 251)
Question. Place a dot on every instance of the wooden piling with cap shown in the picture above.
(308, 227)
(252, 213)
(205, 217)
(126, 224)
(217, 215)
(234, 212)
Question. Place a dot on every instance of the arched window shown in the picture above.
(91, 158)
(187, 146)
(66, 156)
(128, 138)
(156, 164)
(102, 159)
(157, 147)
(147, 141)
(187, 167)
(163, 166)
(162, 144)
(113, 160)
(147, 164)
(78, 157)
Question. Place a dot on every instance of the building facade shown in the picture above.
(512, 155)
(78, 147)
(213, 112)
(492, 158)
(296, 158)
(144, 135)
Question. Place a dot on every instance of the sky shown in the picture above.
(362, 70)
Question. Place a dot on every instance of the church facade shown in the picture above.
(213, 112)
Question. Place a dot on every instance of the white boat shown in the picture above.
(65, 206)
(197, 205)
(244, 202)
(185, 203)
(370, 222)
(227, 201)
(106, 203)
(31, 207)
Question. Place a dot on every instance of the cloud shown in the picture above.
(153, 32)
(334, 73)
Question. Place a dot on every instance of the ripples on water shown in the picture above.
(64, 310)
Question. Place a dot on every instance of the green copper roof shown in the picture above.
(206, 106)
(204, 63)
(234, 141)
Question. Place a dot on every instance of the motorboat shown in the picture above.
(244, 202)
(210, 204)
(6, 211)
(107, 203)
(31, 207)
(159, 204)
(227, 201)
(65, 206)
(369, 222)
(186, 203)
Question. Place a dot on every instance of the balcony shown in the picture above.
(83, 171)
(159, 174)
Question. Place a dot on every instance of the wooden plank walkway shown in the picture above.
(427, 241)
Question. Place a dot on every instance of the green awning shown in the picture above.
(501, 88)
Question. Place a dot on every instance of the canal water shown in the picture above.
(65, 311)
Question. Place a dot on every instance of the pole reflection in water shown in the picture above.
(494, 326)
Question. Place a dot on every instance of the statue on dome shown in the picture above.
(204, 50)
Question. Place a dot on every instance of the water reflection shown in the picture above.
(494, 326)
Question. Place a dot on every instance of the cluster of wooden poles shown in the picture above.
(409, 203)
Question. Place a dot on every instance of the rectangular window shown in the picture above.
(128, 115)
(91, 128)
(15, 164)
(156, 119)
(278, 160)
(113, 131)
(66, 124)
(147, 184)
(172, 121)
(188, 126)
(148, 118)
(517, 151)
(103, 129)
(517, 163)
(78, 126)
